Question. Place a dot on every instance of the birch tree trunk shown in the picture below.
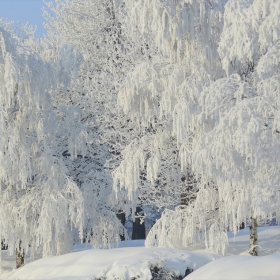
(19, 256)
(253, 250)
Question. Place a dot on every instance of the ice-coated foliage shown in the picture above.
(180, 29)
(157, 86)
(251, 28)
(92, 28)
(161, 95)
(34, 182)
(225, 124)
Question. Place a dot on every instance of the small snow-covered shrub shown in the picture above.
(162, 273)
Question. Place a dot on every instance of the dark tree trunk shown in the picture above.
(242, 225)
(121, 217)
(138, 229)
(3, 245)
(253, 250)
(187, 188)
(19, 256)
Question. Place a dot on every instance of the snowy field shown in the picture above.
(131, 259)
(124, 263)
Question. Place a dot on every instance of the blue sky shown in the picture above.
(23, 11)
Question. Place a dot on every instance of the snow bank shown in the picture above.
(240, 267)
(131, 259)
(121, 263)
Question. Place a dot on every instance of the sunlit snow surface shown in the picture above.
(240, 268)
(131, 259)
(265, 267)
(124, 263)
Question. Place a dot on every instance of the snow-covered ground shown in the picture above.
(238, 265)
(131, 259)
(240, 268)
(124, 263)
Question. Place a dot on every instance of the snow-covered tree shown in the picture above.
(161, 96)
(235, 158)
(92, 28)
(219, 123)
(34, 182)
